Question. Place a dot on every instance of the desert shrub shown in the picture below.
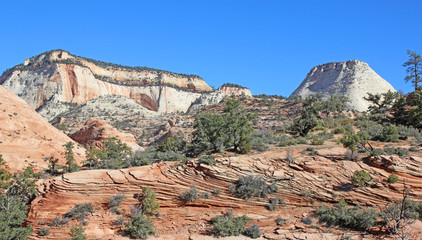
(190, 196)
(149, 202)
(228, 225)
(77, 233)
(311, 151)
(205, 195)
(119, 221)
(396, 151)
(317, 141)
(339, 130)
(372, 128)
(273, 203)
(115, 200)
(353, 218)
(352, 156)
(377, 152)
(259, 145)
(44, 231)
(389, 134)
(361, 178)
(250, 186)
(139, 226)
(280, 221)
(414, 149)
(393, 178)
(301, 140)
(207, 160)
(307, 221)
(80, 211)
(58, 221)
(408, 131)
(112, 156)
(285, 141)
(325, 135)
(216, 191)
(253, 231)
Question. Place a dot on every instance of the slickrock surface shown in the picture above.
(303, 186)
(235, 91)
(97, 131)
(26, 138)
(353, 79)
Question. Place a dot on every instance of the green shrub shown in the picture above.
(258, 145)
(285, 141)
(325, 135)
(360, 178)
(250, 186)
(190, 196)
(227, 225)
(273, 203)
(317, 141)
(58, 221)
(139, 226)
(216, 191)
(389, 134)
(205, 195)
(115, 200)
(253, 231)
(44, 231)
(119, 221)
(352, 218)
(80, 211)
(77, 233)
(207, 160)
(148, 202)
(401, 152)
(414, 149)
(408, 131)
(393, 178)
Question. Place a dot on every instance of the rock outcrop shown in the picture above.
(234, 90)
(26, 139)
(303, 186)
(59, 77)
(95, 131)
(353, 79)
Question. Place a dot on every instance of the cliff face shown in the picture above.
(353, 79)
(26, 138)
(59, 77)
(234, 90)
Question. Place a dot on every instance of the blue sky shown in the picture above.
(268, 46)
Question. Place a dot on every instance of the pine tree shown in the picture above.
(414, 68)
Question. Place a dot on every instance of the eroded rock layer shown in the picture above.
(303, 186)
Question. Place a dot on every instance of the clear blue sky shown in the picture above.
(268, 46)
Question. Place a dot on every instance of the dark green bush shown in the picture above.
(250, 186)
(352, 218)
(139, 226)
(44, 231)
(228, 225)
(80, 211)
(207, 160)
(408, 131)
(401, 152)
(115, 200)
(58, 221)
(190, 196)
(389, 134)
(393, 178)
(285, 141)
(317, 141)
(77, 233)
(149, 202)
(253, 231)
(361, 178)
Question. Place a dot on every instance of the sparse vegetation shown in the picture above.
(361, 178)
(393, 178)
(139, 226)
(253, 231)
(80, 211)
(228, 225)
(190, 196)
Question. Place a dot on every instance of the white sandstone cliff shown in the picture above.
(354, 79)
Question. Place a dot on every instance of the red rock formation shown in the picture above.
(97, 131)
(26, 139)
(304, 186)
